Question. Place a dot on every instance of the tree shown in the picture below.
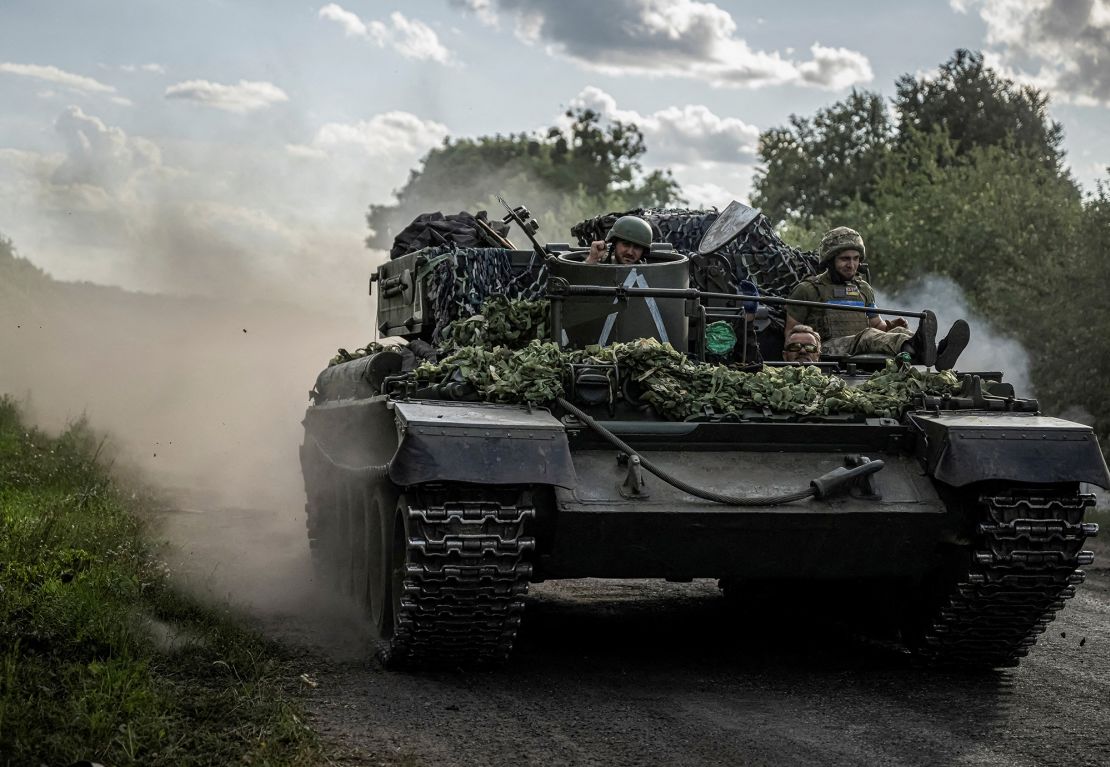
(814, 168)
(1080, 337)
(820, 164)
(976, 107)
(1001, 225)
(578, 171)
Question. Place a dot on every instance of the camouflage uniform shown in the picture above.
(844, 333)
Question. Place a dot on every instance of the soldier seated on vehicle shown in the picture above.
(627, 242)
(802, 345)
(844, 333)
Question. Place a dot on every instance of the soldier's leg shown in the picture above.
(838, 347)
(872, 341)
(949, 348)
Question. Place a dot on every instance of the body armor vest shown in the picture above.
(830, 323)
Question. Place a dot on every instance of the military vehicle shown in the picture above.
(436, 507)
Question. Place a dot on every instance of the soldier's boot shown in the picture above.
(950, 347)
(922, 345)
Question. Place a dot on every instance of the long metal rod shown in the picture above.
(689, 293)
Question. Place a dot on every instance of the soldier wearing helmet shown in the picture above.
(846, 333)
(627, 242)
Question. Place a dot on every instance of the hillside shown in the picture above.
(190, 388)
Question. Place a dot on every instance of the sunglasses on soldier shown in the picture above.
(795, 347)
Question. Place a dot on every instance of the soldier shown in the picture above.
(846, 333)
(627, 242)
(802, 345)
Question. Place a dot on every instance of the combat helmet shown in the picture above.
(839, 240)
(631, 229)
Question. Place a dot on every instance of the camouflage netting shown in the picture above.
(462, 279)
(343, 355)
(758, 254)
(516, 366)
(461, 229)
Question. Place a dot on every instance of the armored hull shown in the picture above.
(436, 509)
(436, 516)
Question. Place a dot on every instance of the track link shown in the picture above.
(465, 578)
(1025, 564)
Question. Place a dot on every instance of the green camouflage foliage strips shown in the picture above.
(503, 321)
(679, 387)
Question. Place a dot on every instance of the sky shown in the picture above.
(231, 147)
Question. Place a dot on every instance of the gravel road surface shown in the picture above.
(650, 673)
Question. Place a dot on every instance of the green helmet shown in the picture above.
(839, 240)
(631, 229)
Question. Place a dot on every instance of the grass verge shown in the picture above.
(100, 658)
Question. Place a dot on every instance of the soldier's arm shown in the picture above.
(873, 319)
(796, 315)
(879, 323)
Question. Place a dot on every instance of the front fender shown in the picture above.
(480, 443)
(959, 449)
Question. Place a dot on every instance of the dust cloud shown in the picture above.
(203, 397)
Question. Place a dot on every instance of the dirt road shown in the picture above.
(646, 673)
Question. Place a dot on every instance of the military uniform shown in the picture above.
(844, 333)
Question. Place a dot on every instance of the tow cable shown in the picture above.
(836, 481)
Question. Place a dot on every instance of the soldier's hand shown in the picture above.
(597, 252)
(897, 322)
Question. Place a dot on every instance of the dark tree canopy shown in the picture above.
(976, 107)
(817, 165)
(589, 167)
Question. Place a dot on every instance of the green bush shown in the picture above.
(81, 675)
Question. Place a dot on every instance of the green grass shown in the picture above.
(86, 671)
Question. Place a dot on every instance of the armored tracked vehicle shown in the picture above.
(439, 486)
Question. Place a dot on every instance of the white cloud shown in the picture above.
(393, 131)
(1060, 46)
(386, 135)
(672, 38)
(351, 23)
(209, 218)
(686, 134)
(99, 155)
(712, 157)
(411, 38)
(52, 74)
(152, 68)
(714, 184)
(245, 96)
(708, 195)
(483, 9)
(835, 68)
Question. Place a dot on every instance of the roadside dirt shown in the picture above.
(648, 673)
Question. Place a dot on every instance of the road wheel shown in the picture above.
(340, 538)
(390, 583)
(320, 512)
(358, 525)
(381, 520)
